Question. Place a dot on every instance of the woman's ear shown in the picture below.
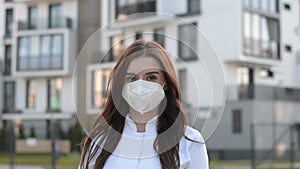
(165, 86)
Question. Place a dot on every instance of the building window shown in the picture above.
(261, 36)
(266, 73)
(193, 6)
(28, 53)
(8, 22)
(159, 36)
(271, 6)
(55, 16)
(288, 48)
(31, 89)
(116, 48)
(183, 85)
(40, 52)
(9, 96)
(287, 6)
(7, 60)
(138, 35)
(245, 81)
(187, 44)
(54, 93)
(32, 17)
(243, 76)
(23, 53)
(236, 121)
(57, 49)
(46, 51)
(99, 85)
(125, 7)
(34, 51)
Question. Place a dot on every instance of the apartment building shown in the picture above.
(258, 45)
(40, 41)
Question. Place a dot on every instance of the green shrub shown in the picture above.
(4, 139)
(75, 134)
(32, 132)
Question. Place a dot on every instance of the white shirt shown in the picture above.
(135, 149)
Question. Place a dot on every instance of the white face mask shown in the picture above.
(143, 96)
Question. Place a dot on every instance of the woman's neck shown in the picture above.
(141, 120)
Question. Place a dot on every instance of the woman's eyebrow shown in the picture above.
(130, 73)
(154, 72)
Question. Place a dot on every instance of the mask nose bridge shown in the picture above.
(139, 88)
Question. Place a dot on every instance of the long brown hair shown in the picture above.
(172, 120)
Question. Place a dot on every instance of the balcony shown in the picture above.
(27, 1)
(261, 92)
(139, 7)
(46, 62)
(265, 6)
(45, 24)
(7, 68)
(44, 53)
(261, 48)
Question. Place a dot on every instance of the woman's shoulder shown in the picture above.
(192, 149)
(193, 135)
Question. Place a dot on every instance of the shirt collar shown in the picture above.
(151, 126)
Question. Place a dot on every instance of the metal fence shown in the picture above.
(262, 92)
(275, 146)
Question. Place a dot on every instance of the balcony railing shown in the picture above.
(40, 63)
(148, 6)
(7, 67)
(45, 24)
(261, 92)
(262, 49)
(11, 111)
(266, 6)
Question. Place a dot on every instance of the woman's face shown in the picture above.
(145, 68)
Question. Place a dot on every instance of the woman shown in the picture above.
(142, 124)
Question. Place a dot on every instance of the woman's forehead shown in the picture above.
(142, 64)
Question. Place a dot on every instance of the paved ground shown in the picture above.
(278, 166)
(4, 166)
(230, 167)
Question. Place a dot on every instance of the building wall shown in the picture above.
(89, 24)
(20, 11)
(69, 9)
(223, 137)
(271, 122)
(289, 24)
(222, 22)
(2, 28)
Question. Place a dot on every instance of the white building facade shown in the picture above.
(38, 49)
(257, 42)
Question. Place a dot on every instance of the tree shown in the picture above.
(61, 133)
(75, 134)
(21, 130)
(4, 139)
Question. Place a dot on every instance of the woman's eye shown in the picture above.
(130, 79)
(151, 78)
(133, 79)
